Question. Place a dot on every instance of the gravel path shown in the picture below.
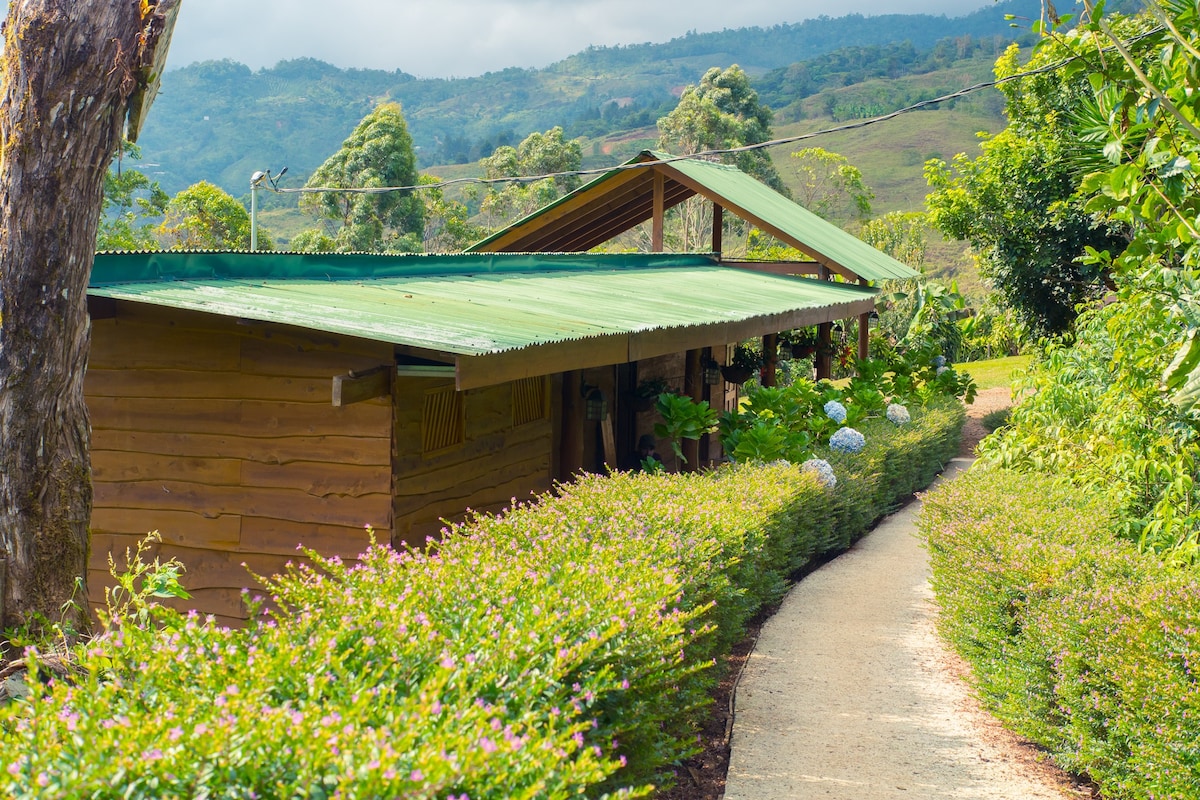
(849, 694)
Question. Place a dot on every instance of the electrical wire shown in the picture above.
(586, 173)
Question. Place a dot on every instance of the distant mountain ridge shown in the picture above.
(221, 121)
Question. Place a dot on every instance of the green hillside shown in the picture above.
(221, 121)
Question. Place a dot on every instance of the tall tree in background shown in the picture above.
(539, 154)
(72, 73)
(1017, 203)
(377, 154)
(131, 204)
(206, 217)
(720, 113)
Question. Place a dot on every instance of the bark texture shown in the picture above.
(70, 69)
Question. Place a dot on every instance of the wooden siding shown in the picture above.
(223, 437)
(496, 461)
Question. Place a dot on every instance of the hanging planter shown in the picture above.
(745, 362)
(736, 374)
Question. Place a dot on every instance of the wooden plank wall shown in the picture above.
(222, 436)
(498, 461)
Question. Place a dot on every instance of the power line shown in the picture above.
(585, 173)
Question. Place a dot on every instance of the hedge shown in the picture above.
(562, 648)
(1078, 641)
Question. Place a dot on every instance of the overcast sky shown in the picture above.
(462, 38)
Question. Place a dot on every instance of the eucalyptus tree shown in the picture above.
(206, 217)
(75, 75)
(538, 154)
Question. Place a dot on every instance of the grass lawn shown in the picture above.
(995, 372)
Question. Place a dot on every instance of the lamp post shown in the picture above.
(255, 180)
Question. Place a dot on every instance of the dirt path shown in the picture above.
(850, 695)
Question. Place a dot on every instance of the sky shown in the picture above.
(463, 38)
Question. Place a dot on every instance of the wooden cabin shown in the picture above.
(244, 403)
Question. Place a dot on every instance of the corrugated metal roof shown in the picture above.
(487, 305)
(590, 215)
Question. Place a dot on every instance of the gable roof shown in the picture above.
(624, 198)
(494, 317)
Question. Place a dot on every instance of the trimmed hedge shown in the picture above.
(1078, 642)
(561, 648)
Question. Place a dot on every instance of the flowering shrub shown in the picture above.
(823, 470)
(835, 411)
(898, 414)
(1078, 641)
(563, 648)
(847, 440)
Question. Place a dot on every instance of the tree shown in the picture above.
(830, 186)
(538, 154)
(131, 202)
(206, 217)
(73, 72)
(379, 153)
(448, 228)
(1017, 204)
(720, 113)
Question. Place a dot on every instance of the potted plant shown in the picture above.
(802, 342)
(743, 364)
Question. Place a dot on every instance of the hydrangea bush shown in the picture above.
(566, 647)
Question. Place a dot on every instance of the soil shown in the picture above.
(1017, 763)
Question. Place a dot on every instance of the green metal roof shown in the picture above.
(729, 187)
(479, 306)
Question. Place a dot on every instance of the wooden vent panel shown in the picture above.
(443, 421)
(531, 401)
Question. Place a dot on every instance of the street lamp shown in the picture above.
(255, 181)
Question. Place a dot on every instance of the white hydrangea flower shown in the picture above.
(823, 470)
(898, 414)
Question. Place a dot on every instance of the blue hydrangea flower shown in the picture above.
(823, 470)
(847, 440)
(898, 414)
(942, 369)
(939, 361)
(835, 411)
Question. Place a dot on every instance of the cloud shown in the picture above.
(469, 37)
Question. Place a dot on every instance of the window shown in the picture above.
(443, 423)
(530, 400)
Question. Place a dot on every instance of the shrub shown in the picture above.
(564, 647)
(1077, 640)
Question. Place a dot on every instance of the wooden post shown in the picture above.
(718, 230)
(693, 385)
(656, 224)
(770, 346)
(824, 360)
(571, 453)
(864, 335)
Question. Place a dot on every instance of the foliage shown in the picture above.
(1017, 205)
(1095, 413)
(313, 240)
(448, 228)
(899, 234)
(683, 418)
(720, 112)
(830, 186)
(1076, 640)
(563, 648)
(538, 154)
(204, 217)
(132, 202)
(1111, 410)
(379, 153)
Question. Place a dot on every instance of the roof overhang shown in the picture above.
(623, 198)
(495, 318)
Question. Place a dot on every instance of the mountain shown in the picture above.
(220, 121)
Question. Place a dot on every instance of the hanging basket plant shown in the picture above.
(746, 360)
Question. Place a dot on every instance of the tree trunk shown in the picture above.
(69, 71)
